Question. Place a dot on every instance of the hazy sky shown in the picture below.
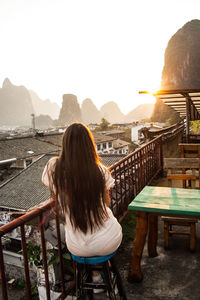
(105, 50)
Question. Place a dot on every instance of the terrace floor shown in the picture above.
(173, 275)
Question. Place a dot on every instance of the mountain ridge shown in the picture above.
(17, 104)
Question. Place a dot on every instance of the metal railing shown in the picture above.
(167, 132)
(131, 174)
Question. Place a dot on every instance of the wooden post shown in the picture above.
(187, 119)
(153, 235)
(135, 273)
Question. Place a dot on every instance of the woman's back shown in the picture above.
(80, 184)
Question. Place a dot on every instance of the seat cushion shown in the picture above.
(92, 260)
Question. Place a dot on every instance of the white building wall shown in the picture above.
(134, 132)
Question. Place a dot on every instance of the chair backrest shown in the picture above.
(183, 169)
(189, 150)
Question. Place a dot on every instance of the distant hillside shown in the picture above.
(44, 107)
(142, 111)
(43, 122)
(182, 58)
(15, 105)
(181, 68)
(111, 112)
(90, 114)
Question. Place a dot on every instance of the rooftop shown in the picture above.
(25, 190)
(24, 146)
(120, 144)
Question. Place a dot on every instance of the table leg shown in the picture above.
(153, 235)
(135, 273)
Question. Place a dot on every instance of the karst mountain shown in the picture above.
(17, 104)
(181, 67)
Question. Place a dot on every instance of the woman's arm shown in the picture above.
(107, 198)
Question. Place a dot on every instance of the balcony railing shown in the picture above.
(131, 174)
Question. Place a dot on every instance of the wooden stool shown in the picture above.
(110, 276)
(169, 222)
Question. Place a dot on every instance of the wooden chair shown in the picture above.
(189, 151)
(174, 168)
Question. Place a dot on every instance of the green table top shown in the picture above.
(167, 200)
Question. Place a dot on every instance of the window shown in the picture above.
(110, 144)
(104, 145)
(98, 147)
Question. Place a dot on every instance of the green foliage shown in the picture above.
(54, 256)
(21, 285)
(104, 125)
(128, 227)
(195, 126)
(54, 259)
(34, 255)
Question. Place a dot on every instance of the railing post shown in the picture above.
(44, 256)
(161, 155)
(3, 277)
(60, 248)
(26, 266)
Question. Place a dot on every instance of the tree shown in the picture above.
(104, 125)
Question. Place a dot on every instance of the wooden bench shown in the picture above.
(175, 167)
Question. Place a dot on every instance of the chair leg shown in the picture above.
(166, 235)
(118, 279)
(192, 237)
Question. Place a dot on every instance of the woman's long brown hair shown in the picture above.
(79, 181)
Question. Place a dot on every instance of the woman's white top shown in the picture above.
(103, 240)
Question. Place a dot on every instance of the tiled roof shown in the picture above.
(26, 189)
(100, 138)
(19, 147)
(110, 159)
(119, 144)
(111, 132)
(54, 138)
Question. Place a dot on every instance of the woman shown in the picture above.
(80, 184)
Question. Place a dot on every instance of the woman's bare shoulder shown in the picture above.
(52, 161)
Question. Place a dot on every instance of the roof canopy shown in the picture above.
(185, 101)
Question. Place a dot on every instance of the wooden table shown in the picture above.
(150, 203)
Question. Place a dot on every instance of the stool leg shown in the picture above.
(118, 279)
(108, 281)
(89, 279)
(79, 282)
(192, 236)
